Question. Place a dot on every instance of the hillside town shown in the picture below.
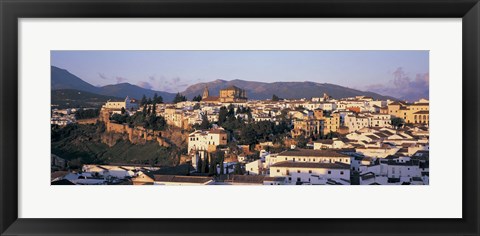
(229, 139)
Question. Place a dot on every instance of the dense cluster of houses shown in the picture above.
(62, 117)
(367, 148)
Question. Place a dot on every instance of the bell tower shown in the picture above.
(206, 93)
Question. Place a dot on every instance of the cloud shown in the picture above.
(102, 76)
(173, 84)
(145, 85)
(404, 87)
(120, 79)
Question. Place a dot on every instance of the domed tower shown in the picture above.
(206, 93)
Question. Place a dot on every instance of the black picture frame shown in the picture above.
(12, 10)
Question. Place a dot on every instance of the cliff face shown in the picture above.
(92, 144)
(111, 138)
(115, 132)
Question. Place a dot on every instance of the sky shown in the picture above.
(392, 72)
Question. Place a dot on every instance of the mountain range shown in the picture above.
(62, 79)
(262, 90)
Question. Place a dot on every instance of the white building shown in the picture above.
(308, 155)
(357, 122)
(312, 173)
(127, 104)
(254, 167)
(207, 139)
(329, 144)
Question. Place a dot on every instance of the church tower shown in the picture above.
(206, 93)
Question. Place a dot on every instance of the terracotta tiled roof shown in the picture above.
(182, 179)
(245, 179)
(311, 153)
(336, 165)
(422, 112)
(421, 104)
(210, 99)
(324, 141)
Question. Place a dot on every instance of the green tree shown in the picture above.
(179, 98)
(144, 111)
(222, 167)
(154, 108)
(212, 170)
(238, 169)
(136, 119)
(197, 98)
(222, 115)
(248, 135)
(122, 111)
(200, 164)
(275, 98)
(205, 164)
(301, 141)
(157, 99)
(397, 122)
(119, 118)
(196, 106)
(160, 123)
(86, 113)
(143, 101)
(205, 123)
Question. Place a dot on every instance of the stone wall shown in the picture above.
(136, 135)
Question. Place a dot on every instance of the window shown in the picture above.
(299, 180)
(341, 172)
(289, 178)
(329, 172)
(310, 171)
(298, 171)
(278, 170)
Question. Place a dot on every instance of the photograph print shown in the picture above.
(239, 117)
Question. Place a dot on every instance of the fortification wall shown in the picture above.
(136, 135)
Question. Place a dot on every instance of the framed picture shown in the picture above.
(234, 117)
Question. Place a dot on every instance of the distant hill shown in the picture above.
(133, 91)
(261, 90)
(69, 98)
(62, 79)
